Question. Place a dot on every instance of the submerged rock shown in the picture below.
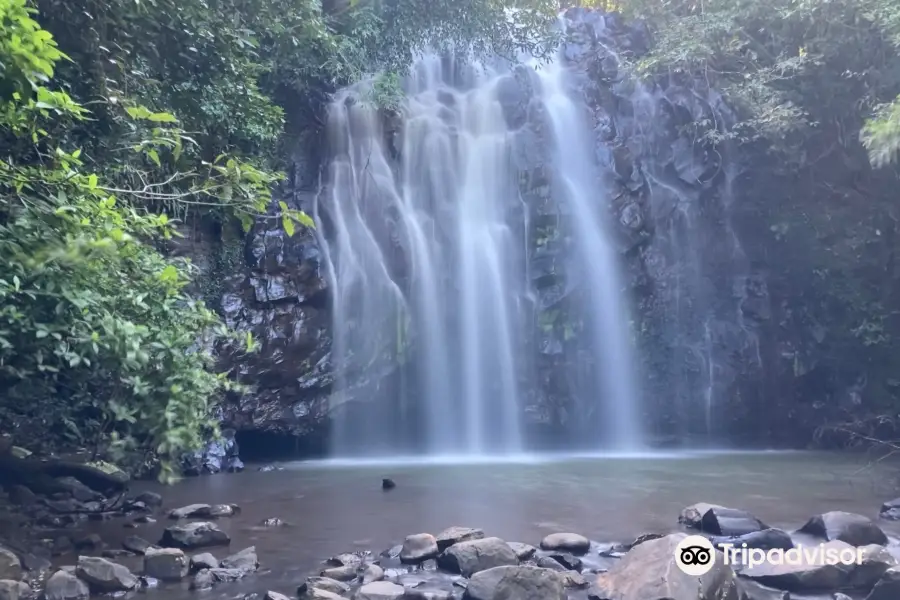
(245, 561)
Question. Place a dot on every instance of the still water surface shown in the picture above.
(334, 507)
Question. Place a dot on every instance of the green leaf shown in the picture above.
(288, 225)
(154, 156)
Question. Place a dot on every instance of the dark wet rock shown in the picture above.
(213, 458)
(876, 560)
(888, 587)
(203, 580)
(63, 585)
(115, 553)
(234, 465)
(428, 594)
(194, 535)
(805, 577)
(566, 542)
(78, 490)
(245, 561)
(149, 583)
(372, 573)
(151, 499)
(750, 590)
(91, 541)
(418, 547)
(570, 562)
(518, 582)
(764, 540)
(545, 562)
(10, 566)
(322, 583)
(692, 515)
(14, 590)
(220, 575)
(202, 561)
(650, 572)
(388, 484)
(522, 551)
(730, 522)
(144, 519)
(454, 535)
(852, 528)
(165, 564)
(61, 545)
(136, 544)
(105, 576)
(380, 590)
(349, 559)
(345, 573)
(186, 512)
(468, 558)
(890, 510)
(21, 495)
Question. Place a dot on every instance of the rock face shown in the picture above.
(649, 572)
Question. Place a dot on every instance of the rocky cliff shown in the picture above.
(731, 326)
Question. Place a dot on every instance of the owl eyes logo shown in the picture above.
(695, 555)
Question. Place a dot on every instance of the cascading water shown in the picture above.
(577, 184)
(433, 312)
(428, 253)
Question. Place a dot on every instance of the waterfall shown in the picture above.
(427, 242)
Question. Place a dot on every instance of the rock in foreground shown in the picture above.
(468, 558)
(650, 572)
(418, 547)
(104, 576)
(65, 586)
(380, 590)
(165, 564)
(516, 582)
(14, 590)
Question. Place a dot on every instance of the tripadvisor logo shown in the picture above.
(695, 555)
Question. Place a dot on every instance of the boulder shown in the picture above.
(63, 585)
(10, 566)
(245, 561)
(522, 551)
(207, 578)
(320, 594)
(887, 587)
(322, 583)
(418, 547)
(270, 595)
(568, 561)
(136, 544)
(890, 510)
(104, 576)
(805, 575)
(766, 539)
(186, 512)
(194, 535)
(202, 561)
(566, 542)
(372, 573)
(14, 590)
(454, 535)
(348, 559)
(876, 560)
(852, 528)
(516, 583)
(347, 573)
(151, 499)
(650, 572)
(730, 522)
(165, 564)
(204, 511)
(380, 590)
(471, 557)
(691, 516)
